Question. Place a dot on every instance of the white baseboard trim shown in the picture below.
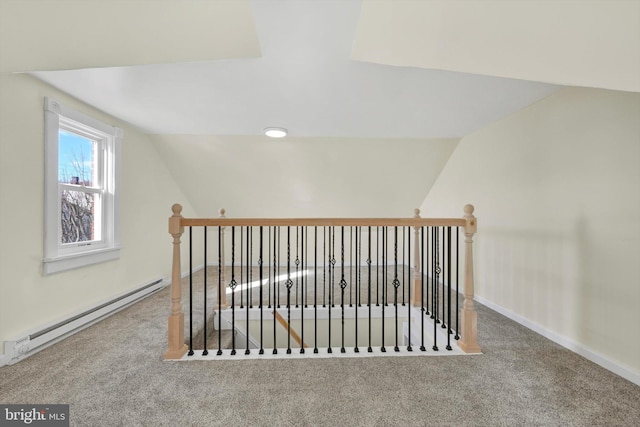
(195, 270)
(567, 343)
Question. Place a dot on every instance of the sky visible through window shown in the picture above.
(75, 158)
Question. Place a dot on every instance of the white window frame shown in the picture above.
(61, 257)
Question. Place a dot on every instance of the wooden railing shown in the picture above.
(465, 330)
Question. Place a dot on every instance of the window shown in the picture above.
(81, 189)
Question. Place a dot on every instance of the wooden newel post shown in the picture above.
(223, 291)
(416, 297)
(177, 348)
(469, 338)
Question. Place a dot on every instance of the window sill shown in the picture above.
(69, 262)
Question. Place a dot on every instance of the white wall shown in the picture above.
(27, 298)
(557, 196)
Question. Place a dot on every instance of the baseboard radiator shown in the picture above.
(32, 342)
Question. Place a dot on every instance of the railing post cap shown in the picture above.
(472, 224)
(176, 209)
(222, 211)
(416, 213)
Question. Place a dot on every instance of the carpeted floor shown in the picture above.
(112, 374)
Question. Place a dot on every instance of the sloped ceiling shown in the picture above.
(45, 35)
(305, 81)
(577, 43)
(375, 94)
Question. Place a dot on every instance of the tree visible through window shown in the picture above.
(78, 164)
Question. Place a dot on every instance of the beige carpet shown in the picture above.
(112, 374)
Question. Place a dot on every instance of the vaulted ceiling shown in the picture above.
(304, 79)
(205, 77)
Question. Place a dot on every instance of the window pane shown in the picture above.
(76, 159)
(78, 216)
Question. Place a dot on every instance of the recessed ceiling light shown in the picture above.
(275, 132)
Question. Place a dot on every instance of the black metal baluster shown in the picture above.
(324, 267)
(425, 269)
(297, 265)
(457, 336)
(331, 267)
(351, 267)
(377, 266)
(315, 290)
(449, 288)
(385, 267)
(396, 282)
(302, 290)
(384, 270)
(434, 292)
(271, 261)
(233, 285)
(190, 353)
(249, 267)
(261, 300)
(220, 291)
(277, 294)
(269, 265)
(444, 277)
(305, 267)
(422, 272)
(384, 281)
(369, 349)
(408, 230)
(204, 284)
(289, 284)
(358, 254)
(359, 298)
(343, 285)
(430, 273)
(332, 293)
(241, 266)
(423, 249)
(438, 274)
(434, 252)
(276, 284)
(432, 278)
(403, 265)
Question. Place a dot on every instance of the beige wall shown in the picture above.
(578, 43)
(255, 176)
(27, 298)
(557, 195)
(67, 34)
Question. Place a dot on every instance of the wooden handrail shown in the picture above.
(329, 222)
(293, 334)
